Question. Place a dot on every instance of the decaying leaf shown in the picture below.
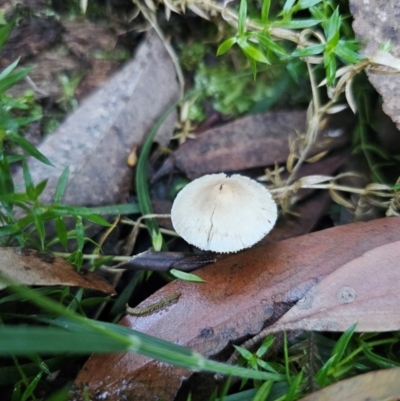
(242, 294)
(363, 291)
(382, 385)
(255, 141)
(375, 23)
(97, 138)
(28, 267)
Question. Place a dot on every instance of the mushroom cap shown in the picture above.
(223, 213)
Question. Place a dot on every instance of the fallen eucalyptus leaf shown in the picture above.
(29, 267)
(242, 294)
(255, 141)
(382, 385)
(98, 137)
(362, 291)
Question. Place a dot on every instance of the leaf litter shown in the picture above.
(290, 278)
(29, 267)
(264, 284)
(97, 138)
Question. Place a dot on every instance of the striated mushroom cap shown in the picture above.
(223, 213)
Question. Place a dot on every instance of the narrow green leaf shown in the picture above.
(28, 180)
(270, 44)
(322, 374)
(297, 23)
(226, 45)
(5, 31)
(386, 47)
(309, 51)
(62, 232)
(242, 17)
(61, 185)
(266, 344)
(31, 387)
(186, 276)
(142, 187)
(12, 339)
(63, 210)
(330, 67)
(294, 388)
(253, 66)
(39, 189)
(334, 26)
(20, 340)
(341, 344)
(76, 259)
(54, 340)
(303, 4)
(95, 218)
(13, 77)
(347, 54)
(80, 233)
(39, 225)
(8, 69)
(266, 366)
(28, 147)
(6, 181)
(265, 10)
(288, 7)
(14, 197)
(380, 361)
(252, 52)
(263, 392)
(246, 354)
(9, 229)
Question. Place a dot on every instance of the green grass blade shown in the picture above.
(77, 331)
(142, 187)
(28, 147)
(61, 185)
(242, 17)
(62, 210)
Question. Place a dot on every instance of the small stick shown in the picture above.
(146, 310)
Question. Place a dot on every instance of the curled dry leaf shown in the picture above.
(242, 294)
(97, 138)
(382, 385)
(28, 267)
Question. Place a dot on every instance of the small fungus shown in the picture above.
(223, 213)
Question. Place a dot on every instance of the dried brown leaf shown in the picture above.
(256, 141)
(317, 157)
(382, 385)
(244, 292)
(97, 138)
(362, 291)
(28, 267)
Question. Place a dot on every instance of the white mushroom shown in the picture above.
(223, 213)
